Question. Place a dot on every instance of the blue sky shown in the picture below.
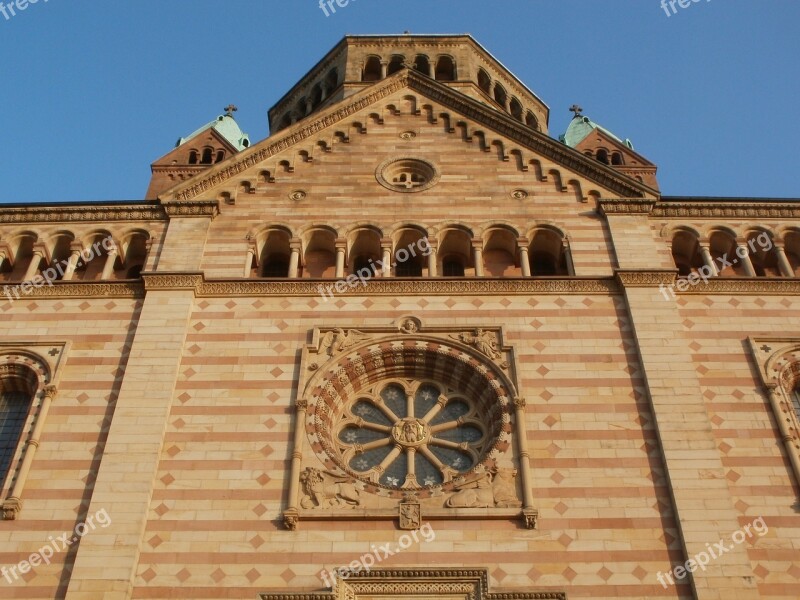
(93, 92)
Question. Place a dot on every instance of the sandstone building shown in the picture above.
(411, 318)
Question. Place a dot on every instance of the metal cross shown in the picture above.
(576, 109)
(230, 109)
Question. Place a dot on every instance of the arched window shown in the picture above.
(445, 69)
(796, 400)
(364, 250)
(548, 256)
(686, 253)
(407, 253)
(275, 251)
(763, 255)
(207, 154)
(723, 251)
(396, 64)
(616, 159)
(602, 156)
(220, 156)
(193, 157)
(422, 64)
(316, 94)
(16, 398)
(531, 121)
(484, 82)
(332, 80)
(516, 109)
(500, 95)
(276, 266)
(372, 69)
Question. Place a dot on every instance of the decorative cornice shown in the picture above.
(728, 210)
(469, 107)
(68, 214)
(746, 285)
(173, 281)
(645, 277)
(201, 208)
(625, 206)
(394, 287)
(76, 289)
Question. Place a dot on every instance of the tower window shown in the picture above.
(220, 156)
(452, 267)
(207, 153)
(193, 157)
(602, 156)
(616, 159)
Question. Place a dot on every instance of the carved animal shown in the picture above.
(325, 490)
(505, 495)
(477, 493)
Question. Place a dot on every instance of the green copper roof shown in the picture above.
(580, 127)
(227, 127)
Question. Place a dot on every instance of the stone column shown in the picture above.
(565, 248)
(294, 259)
(384, 69)
(432, 260)
(341, 250)
(524, 260)
(386, 248)
(783, 261)
(743, 255)
(108, 268)
(13, 504)
(33, 267)
(705, 250)
(249, 259)
(72, 262)
(477, 257)
(431, 70)
(3, 257)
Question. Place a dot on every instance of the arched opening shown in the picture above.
(332, 80)
(59, 257)
(686, 253)
(316, 94)
(22, 250)
(94, 258)
(500, 253)
(500, 95)
(396, 64)
(484, 82)
(762, 254)
(275, 252)
(286, 121)
(455, 253)
(616, 159)
(422, 64)
(135, 255)
(220, 156)
(602, 156)
(372, 69)
(193, 157)
(791, 242)
(531, 121)
(365, 252)
(516, 109)
(445, 69)
(409, 246)
(547, 255)
(207, 154)
(17, 391)
(723, 250)
(320, 254)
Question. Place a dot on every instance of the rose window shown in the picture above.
(411, 434)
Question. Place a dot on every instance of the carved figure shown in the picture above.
(487, 490)
(484, 341)
(340, 340)
(326, 490)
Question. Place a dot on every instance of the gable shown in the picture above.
(409, 94)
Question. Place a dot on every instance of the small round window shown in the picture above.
(407, 175)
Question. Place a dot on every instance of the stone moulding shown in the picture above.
(456, 584)
(98, 213)
(728, 210)
(233, 288)
(625, 206)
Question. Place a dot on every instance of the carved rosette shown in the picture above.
(425, 411)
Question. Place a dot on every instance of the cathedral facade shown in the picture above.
(411, 345)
